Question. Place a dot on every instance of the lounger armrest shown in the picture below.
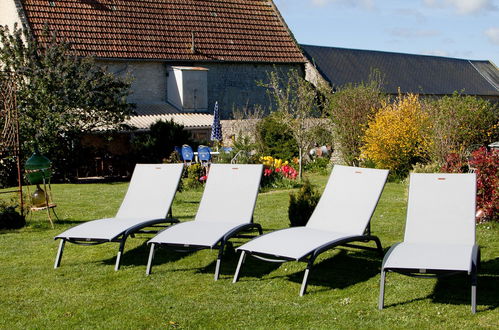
(387, 255)
(148, 223)
(241, 228)
(337, 242)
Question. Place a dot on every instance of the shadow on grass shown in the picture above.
(344, 269)
(251, 267)
(138, 256)
(456, 289)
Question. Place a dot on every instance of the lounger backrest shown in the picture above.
(230, 193)
(151, 191)
(349, 200)
(441, 208)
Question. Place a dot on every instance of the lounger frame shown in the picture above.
(139, 227)
(222, 245)
(464, 220)
(345, 241)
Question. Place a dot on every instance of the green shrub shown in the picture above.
(349, 109)
(302, 204)
(10, 218)
(194, 178)
(460, 124)
(318, 165)
(157, 145)
(276, 139)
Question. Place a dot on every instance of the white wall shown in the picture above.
(9, 14)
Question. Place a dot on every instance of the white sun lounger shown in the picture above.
(146, 203)
(439, 235)
(225, 211)
(341, 216)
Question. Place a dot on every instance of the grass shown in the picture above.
(86, 292)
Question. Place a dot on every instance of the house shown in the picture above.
(425, 75)
(184, 55)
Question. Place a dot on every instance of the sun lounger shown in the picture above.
(440, 231)
(225, 211)
(147, 201)
(342, 216)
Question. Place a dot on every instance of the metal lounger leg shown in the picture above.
(120, 252)
(381, 300)
(217, 269)
(149, 261)
(239, 265)
(303, 288)
(59, 254)
(473, 291)
(219, 260)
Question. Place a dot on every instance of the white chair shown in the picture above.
(225, 211)
(342, 216)
(440, 231)
(146, 203)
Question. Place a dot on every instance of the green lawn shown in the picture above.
(86, 292)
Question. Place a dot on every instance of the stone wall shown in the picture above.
(233, 85)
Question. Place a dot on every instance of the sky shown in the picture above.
(466, 29)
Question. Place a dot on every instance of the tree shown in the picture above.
(350, 108)
(295, 105)
(60, 95)
(461, 123)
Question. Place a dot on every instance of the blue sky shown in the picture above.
(453, 28)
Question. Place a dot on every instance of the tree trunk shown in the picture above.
(300, 160)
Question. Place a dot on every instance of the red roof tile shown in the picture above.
(224, 30)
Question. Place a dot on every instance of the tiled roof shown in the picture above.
(222, 30)
(411, 73)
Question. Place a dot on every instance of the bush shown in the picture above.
(275, 138)
(454, 163)
(350, 109)
(318, 165)
(195, 177)
(157, 145)
(10, 218)
(8, 172)
(398, 136)
(459, 123)
(302, 204)
(486, 164)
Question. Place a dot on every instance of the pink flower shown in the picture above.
(267, 172)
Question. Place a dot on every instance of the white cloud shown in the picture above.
(493, 35)
(463, 6)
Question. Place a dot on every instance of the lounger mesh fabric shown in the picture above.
(440, 227)
(341, 216)
(147, 201)
(227, 205)
(344, 210)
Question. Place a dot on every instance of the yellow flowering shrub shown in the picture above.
(398, 135)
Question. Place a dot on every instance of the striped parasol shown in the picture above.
(216, 127)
